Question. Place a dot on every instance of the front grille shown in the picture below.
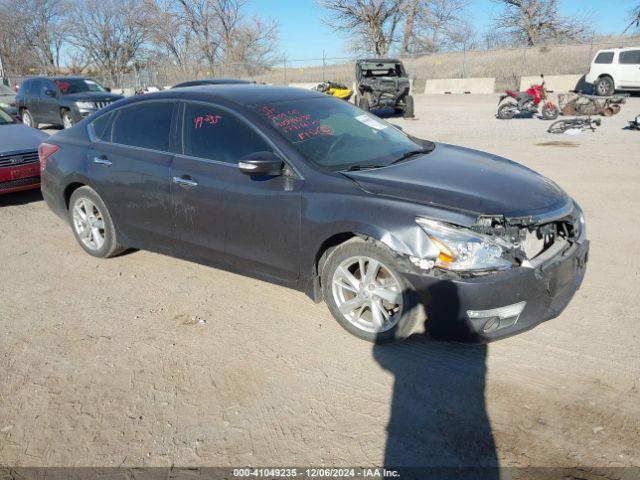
(17, 159)
(100, 105)
(21, 182)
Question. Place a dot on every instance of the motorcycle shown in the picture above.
(534, 100)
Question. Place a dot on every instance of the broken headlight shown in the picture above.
(464, 250)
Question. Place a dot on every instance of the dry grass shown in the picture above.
(507, 65)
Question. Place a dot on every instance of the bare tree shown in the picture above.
(435, 25)
(253, 46)
(39, 28)
(224, 37)
(538, 21)
(109, 32)
(372, 23)
(171, 34)
(11, 42)
(635, 19)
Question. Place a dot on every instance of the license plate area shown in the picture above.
(25, 172)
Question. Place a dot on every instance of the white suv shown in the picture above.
(615, 69)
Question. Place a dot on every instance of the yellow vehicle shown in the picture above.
(338, 90)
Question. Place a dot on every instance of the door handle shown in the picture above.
(184, 182)
(102, 161)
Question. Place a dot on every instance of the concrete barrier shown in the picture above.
(556, 83)
(460, 85)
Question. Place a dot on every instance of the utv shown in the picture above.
(383, 82)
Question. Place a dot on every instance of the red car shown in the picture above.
(19, 164)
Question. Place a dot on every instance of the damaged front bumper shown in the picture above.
(470, 308)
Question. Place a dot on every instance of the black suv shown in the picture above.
(61, 100)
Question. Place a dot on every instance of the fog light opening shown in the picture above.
(497, 318)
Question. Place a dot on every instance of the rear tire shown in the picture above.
(363, 103)
(379, 306)
(550, 113)
(506, 111)
(92, 224)
(27, 118)
(408, 110)
(605, 87)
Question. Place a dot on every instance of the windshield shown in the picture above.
(336, 135)
(5, 118)
(78, 85)
(4, 90)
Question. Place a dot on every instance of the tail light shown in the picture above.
(45, 150)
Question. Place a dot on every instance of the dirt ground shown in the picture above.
(149, 360)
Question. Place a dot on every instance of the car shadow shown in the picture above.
(438, 424)
(20, 198)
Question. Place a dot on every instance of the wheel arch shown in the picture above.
(609, 76)
(340, 236)
(68, 191)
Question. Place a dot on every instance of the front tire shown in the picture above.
(367, 295)
(27, 119)
(550, 112)
(67, 119)
(605, 87)
(363, 103)
(92, 224)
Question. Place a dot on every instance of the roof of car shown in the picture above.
(619, 49)
(212, 81)
(238, 93)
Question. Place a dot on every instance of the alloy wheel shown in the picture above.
(88, 224)
(368, 294)
(26, 119)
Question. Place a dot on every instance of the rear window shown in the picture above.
(604, 57)
(145, 125)
(631, 57)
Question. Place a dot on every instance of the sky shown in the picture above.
(304, 36)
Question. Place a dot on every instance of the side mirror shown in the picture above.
(50, 93)
(261, 163)
(108, 89)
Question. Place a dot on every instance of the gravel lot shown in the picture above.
(149, 360)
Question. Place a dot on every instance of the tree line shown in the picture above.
(195, 36)
(113, 36)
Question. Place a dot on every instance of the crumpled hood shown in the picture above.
(465, 179)
(15, 137)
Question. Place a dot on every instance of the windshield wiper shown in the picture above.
(412, 153)
(362, 166)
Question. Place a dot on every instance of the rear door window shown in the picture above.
(215, 134)
(101, 127)
(604, 57)
(630, 57)
(144, 125)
